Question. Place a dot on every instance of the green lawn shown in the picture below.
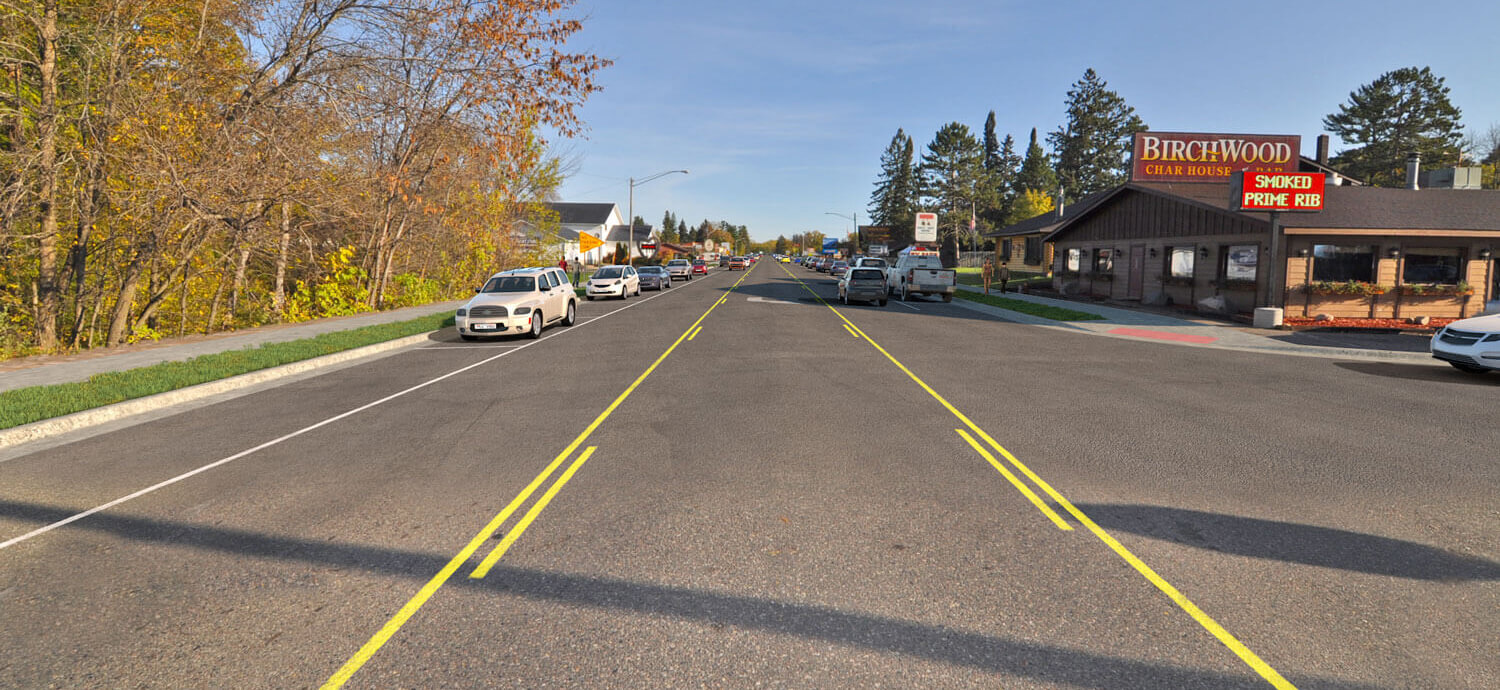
(26, 405)
(970, 276)
(1032, 308)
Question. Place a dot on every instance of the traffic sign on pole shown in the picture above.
(927, 224)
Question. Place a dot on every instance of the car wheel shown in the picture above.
(572, 316)
(536, 325)
(905, 296)
(590, 298)
(948, 297)
(1469, 368)
(881, 303)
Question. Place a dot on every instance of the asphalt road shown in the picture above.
(733, 484)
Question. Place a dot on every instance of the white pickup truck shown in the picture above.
(919, 271)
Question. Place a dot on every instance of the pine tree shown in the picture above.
(1000, 165)
(1005, 176)
(668, 231)
(893, 203)
(1091, 149)
(1400, 112)
(1036, 171)
(682, 231)
(952, 171)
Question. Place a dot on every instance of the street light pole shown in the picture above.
(630, 223)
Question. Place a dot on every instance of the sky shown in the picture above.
(780, 110)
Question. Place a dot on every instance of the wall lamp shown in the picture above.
(1393, 252)
(1485, 254)
(1203, 252)
(1303, 252)
(1153, 252)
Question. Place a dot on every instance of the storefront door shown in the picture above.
(1137, 271)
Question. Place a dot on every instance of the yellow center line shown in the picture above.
(1020, 485)
(411, 607)
(526, 520)
(695, 332)
(1224, 636)
(851, 330)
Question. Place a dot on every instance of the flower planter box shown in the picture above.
(1340, 306)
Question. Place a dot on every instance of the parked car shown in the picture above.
(920, 272)
(1471, 345)
(614, 281)
(700, 267)
(655, 277)
(825, 265)
(681, 269)
(786, 259)
(723, 261)
(838, 268)
(863, 285)
(522, 300)
(738, 262)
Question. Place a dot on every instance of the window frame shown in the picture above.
(1170, 270)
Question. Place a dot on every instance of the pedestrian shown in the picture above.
(1004, 276)
(986, 274)
(563, 264)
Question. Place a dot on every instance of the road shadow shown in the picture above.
(1396, 342)
(1420, 372)
(1290, 542)
(1044, 663)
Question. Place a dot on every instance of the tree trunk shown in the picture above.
(126, 299)
(48, 291)
(278, 299)
(239, 285)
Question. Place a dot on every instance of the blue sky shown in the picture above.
(781, 110)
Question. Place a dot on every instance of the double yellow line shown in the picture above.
(415, 604)
(1228, 640)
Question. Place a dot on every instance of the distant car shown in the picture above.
(871, 262)
(786, 259)
(825, 265)
(614, 281)
(723, 261)
(523, 300)
(681, 269)
(863, 285)
(700, 267)
(655, 277)
(838, 268)
(738, 262)
(1471, 345)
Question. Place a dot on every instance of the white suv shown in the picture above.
(516, 301)
(1470, 345)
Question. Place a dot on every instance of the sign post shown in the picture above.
(1277, 192)
(927, 226)
(648, 248)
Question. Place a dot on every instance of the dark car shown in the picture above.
(654, 278)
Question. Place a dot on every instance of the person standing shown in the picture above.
(1004, 276)
(986, 274)
(563, 264)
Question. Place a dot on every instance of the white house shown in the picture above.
(602, 220)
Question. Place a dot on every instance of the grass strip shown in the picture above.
(1032, 308)
(27, 405)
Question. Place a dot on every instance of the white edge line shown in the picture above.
(908, 306)
(163, 484)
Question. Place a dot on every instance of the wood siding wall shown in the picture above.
(1140, 216)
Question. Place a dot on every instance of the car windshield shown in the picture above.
(609, 272)
(510, 284)
(652, 270)
(678, 262)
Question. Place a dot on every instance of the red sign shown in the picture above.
(1259, 191)
(648, 246)
(1192, 157)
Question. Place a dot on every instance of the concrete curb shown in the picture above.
(46, 428)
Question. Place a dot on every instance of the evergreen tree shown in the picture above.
(668, 231)
(1400, 112)
(1036, 171)
(952, 172)
(704, 229)
(893, 203)
(682, 231)
(1091, 149)
(1005, 175)
(781, 244)
(1000, 166)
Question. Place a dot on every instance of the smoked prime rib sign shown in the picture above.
(1195, 157)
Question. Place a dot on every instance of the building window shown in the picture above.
(1240, 261)
(1180, 262)
(1430, 265)
(1104, 261)
(1075, 260)
(1005, 250)
(1034, 250)
(1343, 263)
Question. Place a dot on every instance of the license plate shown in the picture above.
(482, 326)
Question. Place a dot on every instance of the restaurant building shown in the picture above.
(1175, 235)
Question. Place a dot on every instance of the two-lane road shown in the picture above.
(736, 483)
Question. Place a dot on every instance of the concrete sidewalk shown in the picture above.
(52, 369)
(1139, 325)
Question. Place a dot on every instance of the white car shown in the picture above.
(1470, 345)
(614, 281)
(524, 300)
